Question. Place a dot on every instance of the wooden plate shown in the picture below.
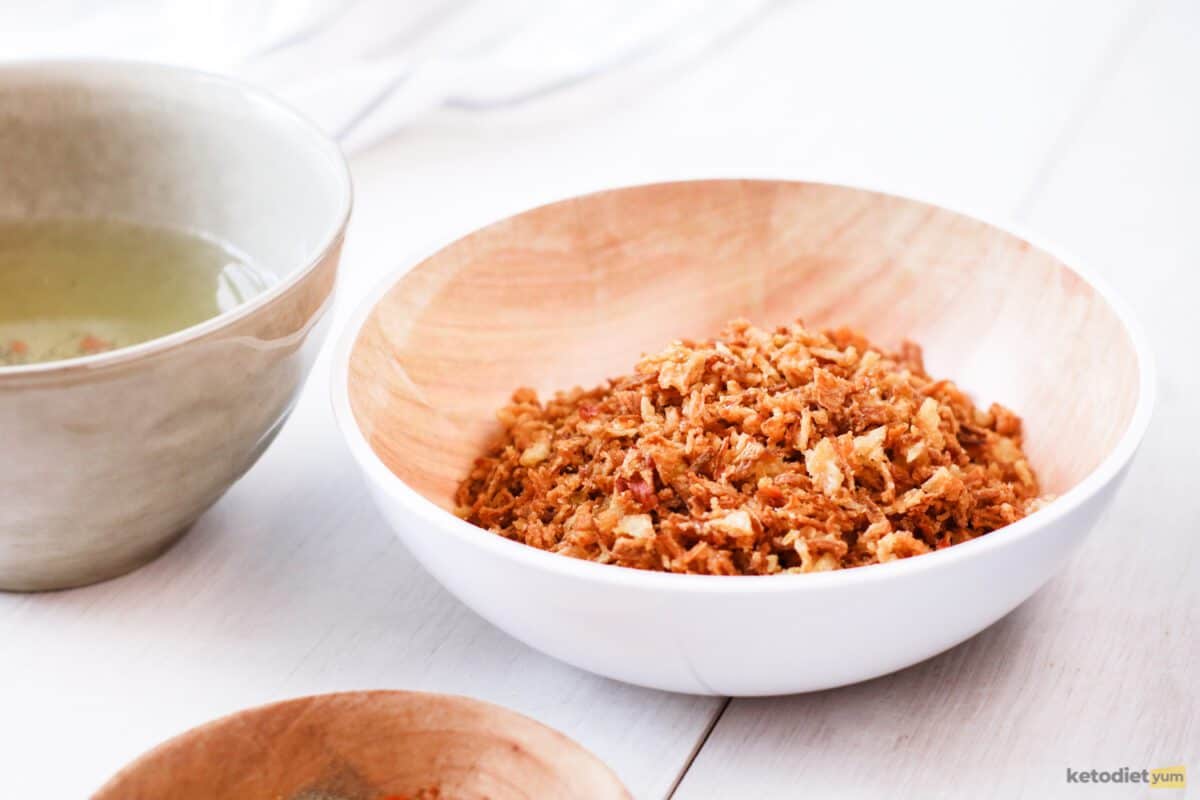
(382, 745)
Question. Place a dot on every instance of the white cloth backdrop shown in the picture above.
(362, 68)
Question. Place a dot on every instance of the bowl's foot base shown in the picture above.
(24, 578)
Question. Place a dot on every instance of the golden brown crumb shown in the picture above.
(754, 453)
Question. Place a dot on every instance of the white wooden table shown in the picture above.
(1080, 120)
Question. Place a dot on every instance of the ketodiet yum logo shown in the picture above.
(1161, 778)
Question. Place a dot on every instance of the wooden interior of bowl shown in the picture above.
(368, 746)
(572, 293)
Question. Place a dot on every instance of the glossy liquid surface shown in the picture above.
(71, 288)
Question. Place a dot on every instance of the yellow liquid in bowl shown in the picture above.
(77, 287)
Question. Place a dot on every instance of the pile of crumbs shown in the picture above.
(755, 453)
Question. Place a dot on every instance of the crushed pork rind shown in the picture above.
(758, 452)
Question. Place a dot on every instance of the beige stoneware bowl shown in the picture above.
(108, 459)
(572, 293)
(368, 746)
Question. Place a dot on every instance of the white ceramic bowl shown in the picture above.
(572, 292)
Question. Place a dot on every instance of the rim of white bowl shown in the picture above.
(443, 522)
(304, 127)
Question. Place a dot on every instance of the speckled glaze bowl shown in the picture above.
(108, 459)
